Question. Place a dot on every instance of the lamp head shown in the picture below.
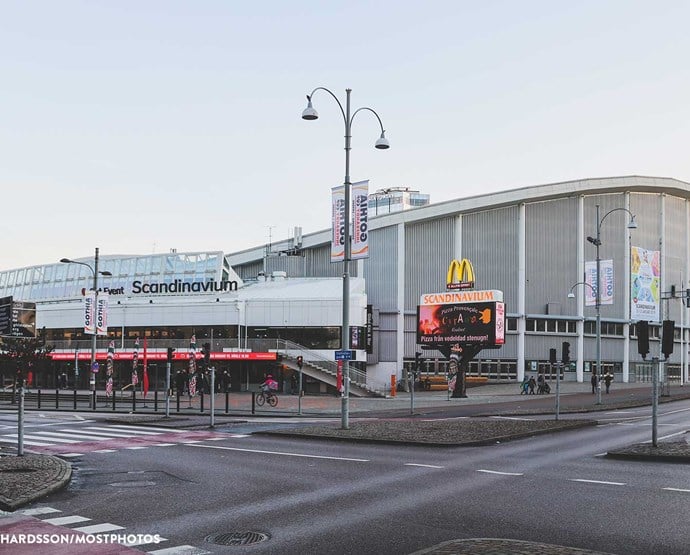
(632, 224)
(309, 113)
(382, 143)
(571, 295)
(65, 260)
(106, 273)
(594, 241)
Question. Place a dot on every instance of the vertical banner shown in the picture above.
(338, 223)
(146, 370)
(644, 283)
(607, 282)
(500, 324)
(135, 364)
(109, 369)
(370, 330)
(90, 313)
(360, 220)
(102, 314)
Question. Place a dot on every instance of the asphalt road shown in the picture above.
(331, 497)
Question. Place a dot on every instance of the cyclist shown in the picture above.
(269, 385)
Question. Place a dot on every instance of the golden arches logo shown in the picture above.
(460, 275)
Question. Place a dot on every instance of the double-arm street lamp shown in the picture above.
(95, 272)
(310, 113)
(596, 241)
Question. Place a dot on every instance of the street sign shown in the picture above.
(343, 355)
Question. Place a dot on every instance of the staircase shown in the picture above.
(324, 370)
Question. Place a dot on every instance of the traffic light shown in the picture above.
(207, 354)
(565, 354)
(667, 339)
(552, 356)
(643, 338)
(300, 361)
(170, 354)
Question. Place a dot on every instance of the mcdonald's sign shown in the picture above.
(460, 275)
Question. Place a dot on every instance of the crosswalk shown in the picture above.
(149, 543)
(79, 440)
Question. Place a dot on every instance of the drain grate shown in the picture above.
(237, 538)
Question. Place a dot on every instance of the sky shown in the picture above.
(140, 127)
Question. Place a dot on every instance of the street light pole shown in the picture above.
(310, 113)
(94, 270)
(597, 289)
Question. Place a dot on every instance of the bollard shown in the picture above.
(94, 399)
(178, 400)
(227, 402)
(75, 399)
(392, 385)
(134, 399)
(20, 421)
(155, 401)
(39, 398)
(114, 395)
(253, 402)
(56, 399)
(201, 404)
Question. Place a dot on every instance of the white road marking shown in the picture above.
(502, 473)
(180, 550)
(62, 520)
(138, 428)
(513, 418)
(677, 489)
(71, 454)
(136, 447)
(68, 434)
(279, 453)
(117, 430)
(99, 528)
(596, 482)
(162, 444)
(41, 438)
(39, 511)
(449, 418)
(38, 443)
(110, 435)
(105, 451)
(424, 465)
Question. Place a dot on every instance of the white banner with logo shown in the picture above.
(607, 282)
(360, 220)
(90, 312)
(102, 314)
(644, 284)
(338, 223)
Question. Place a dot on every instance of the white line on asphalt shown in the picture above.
(278, 453)
(512, 418)
(39, 511)
(677, 489)
(62, 520)
(596, 482)
(138, 428)
(137, 432)
(449, 418)
(105, 451)
(41, 438)
(424, 465)
(179, 550)
(137, 447)
(110, 435)
(162, 444)
(502, 473)
(8, 440)
(73, 454)
(99, 528)
(668, 436)
(69, 434)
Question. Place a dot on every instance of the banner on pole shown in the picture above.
(607, 282)
(360, 220)
(102, 314)
(90, 313)
(644, 284)
(338, 223)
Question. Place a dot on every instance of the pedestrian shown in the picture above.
(532, 385)
(608, 378)
(63, 380)
(594, 382)
(180, 382)
(540, 384)
(293, 383)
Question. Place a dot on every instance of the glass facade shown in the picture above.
(60, 280)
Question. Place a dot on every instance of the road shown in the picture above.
(329, 497)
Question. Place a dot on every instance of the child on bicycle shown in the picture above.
(269, 385)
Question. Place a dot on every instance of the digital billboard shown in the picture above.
(480, 323)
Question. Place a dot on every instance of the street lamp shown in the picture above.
(596, 241)
(95, 272)
(310, 113)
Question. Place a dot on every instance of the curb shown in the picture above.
(52, 472)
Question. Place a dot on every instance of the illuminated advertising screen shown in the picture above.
(481, 323)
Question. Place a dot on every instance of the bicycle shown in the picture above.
(267, 396)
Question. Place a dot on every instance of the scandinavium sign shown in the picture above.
(179, 286)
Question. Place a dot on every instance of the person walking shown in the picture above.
(608, 378)
(532, 384)
(594, 382)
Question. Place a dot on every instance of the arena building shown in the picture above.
(262, 307)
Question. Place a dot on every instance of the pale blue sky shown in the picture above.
(140, 126)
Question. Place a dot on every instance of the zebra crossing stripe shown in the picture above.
(62, 520)
(138, 428)
(99, 528)
(180, 550)
(66, 434)
(136, 432)
(39, 511)
(71, 454)
(37, 443)
(33, 437)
